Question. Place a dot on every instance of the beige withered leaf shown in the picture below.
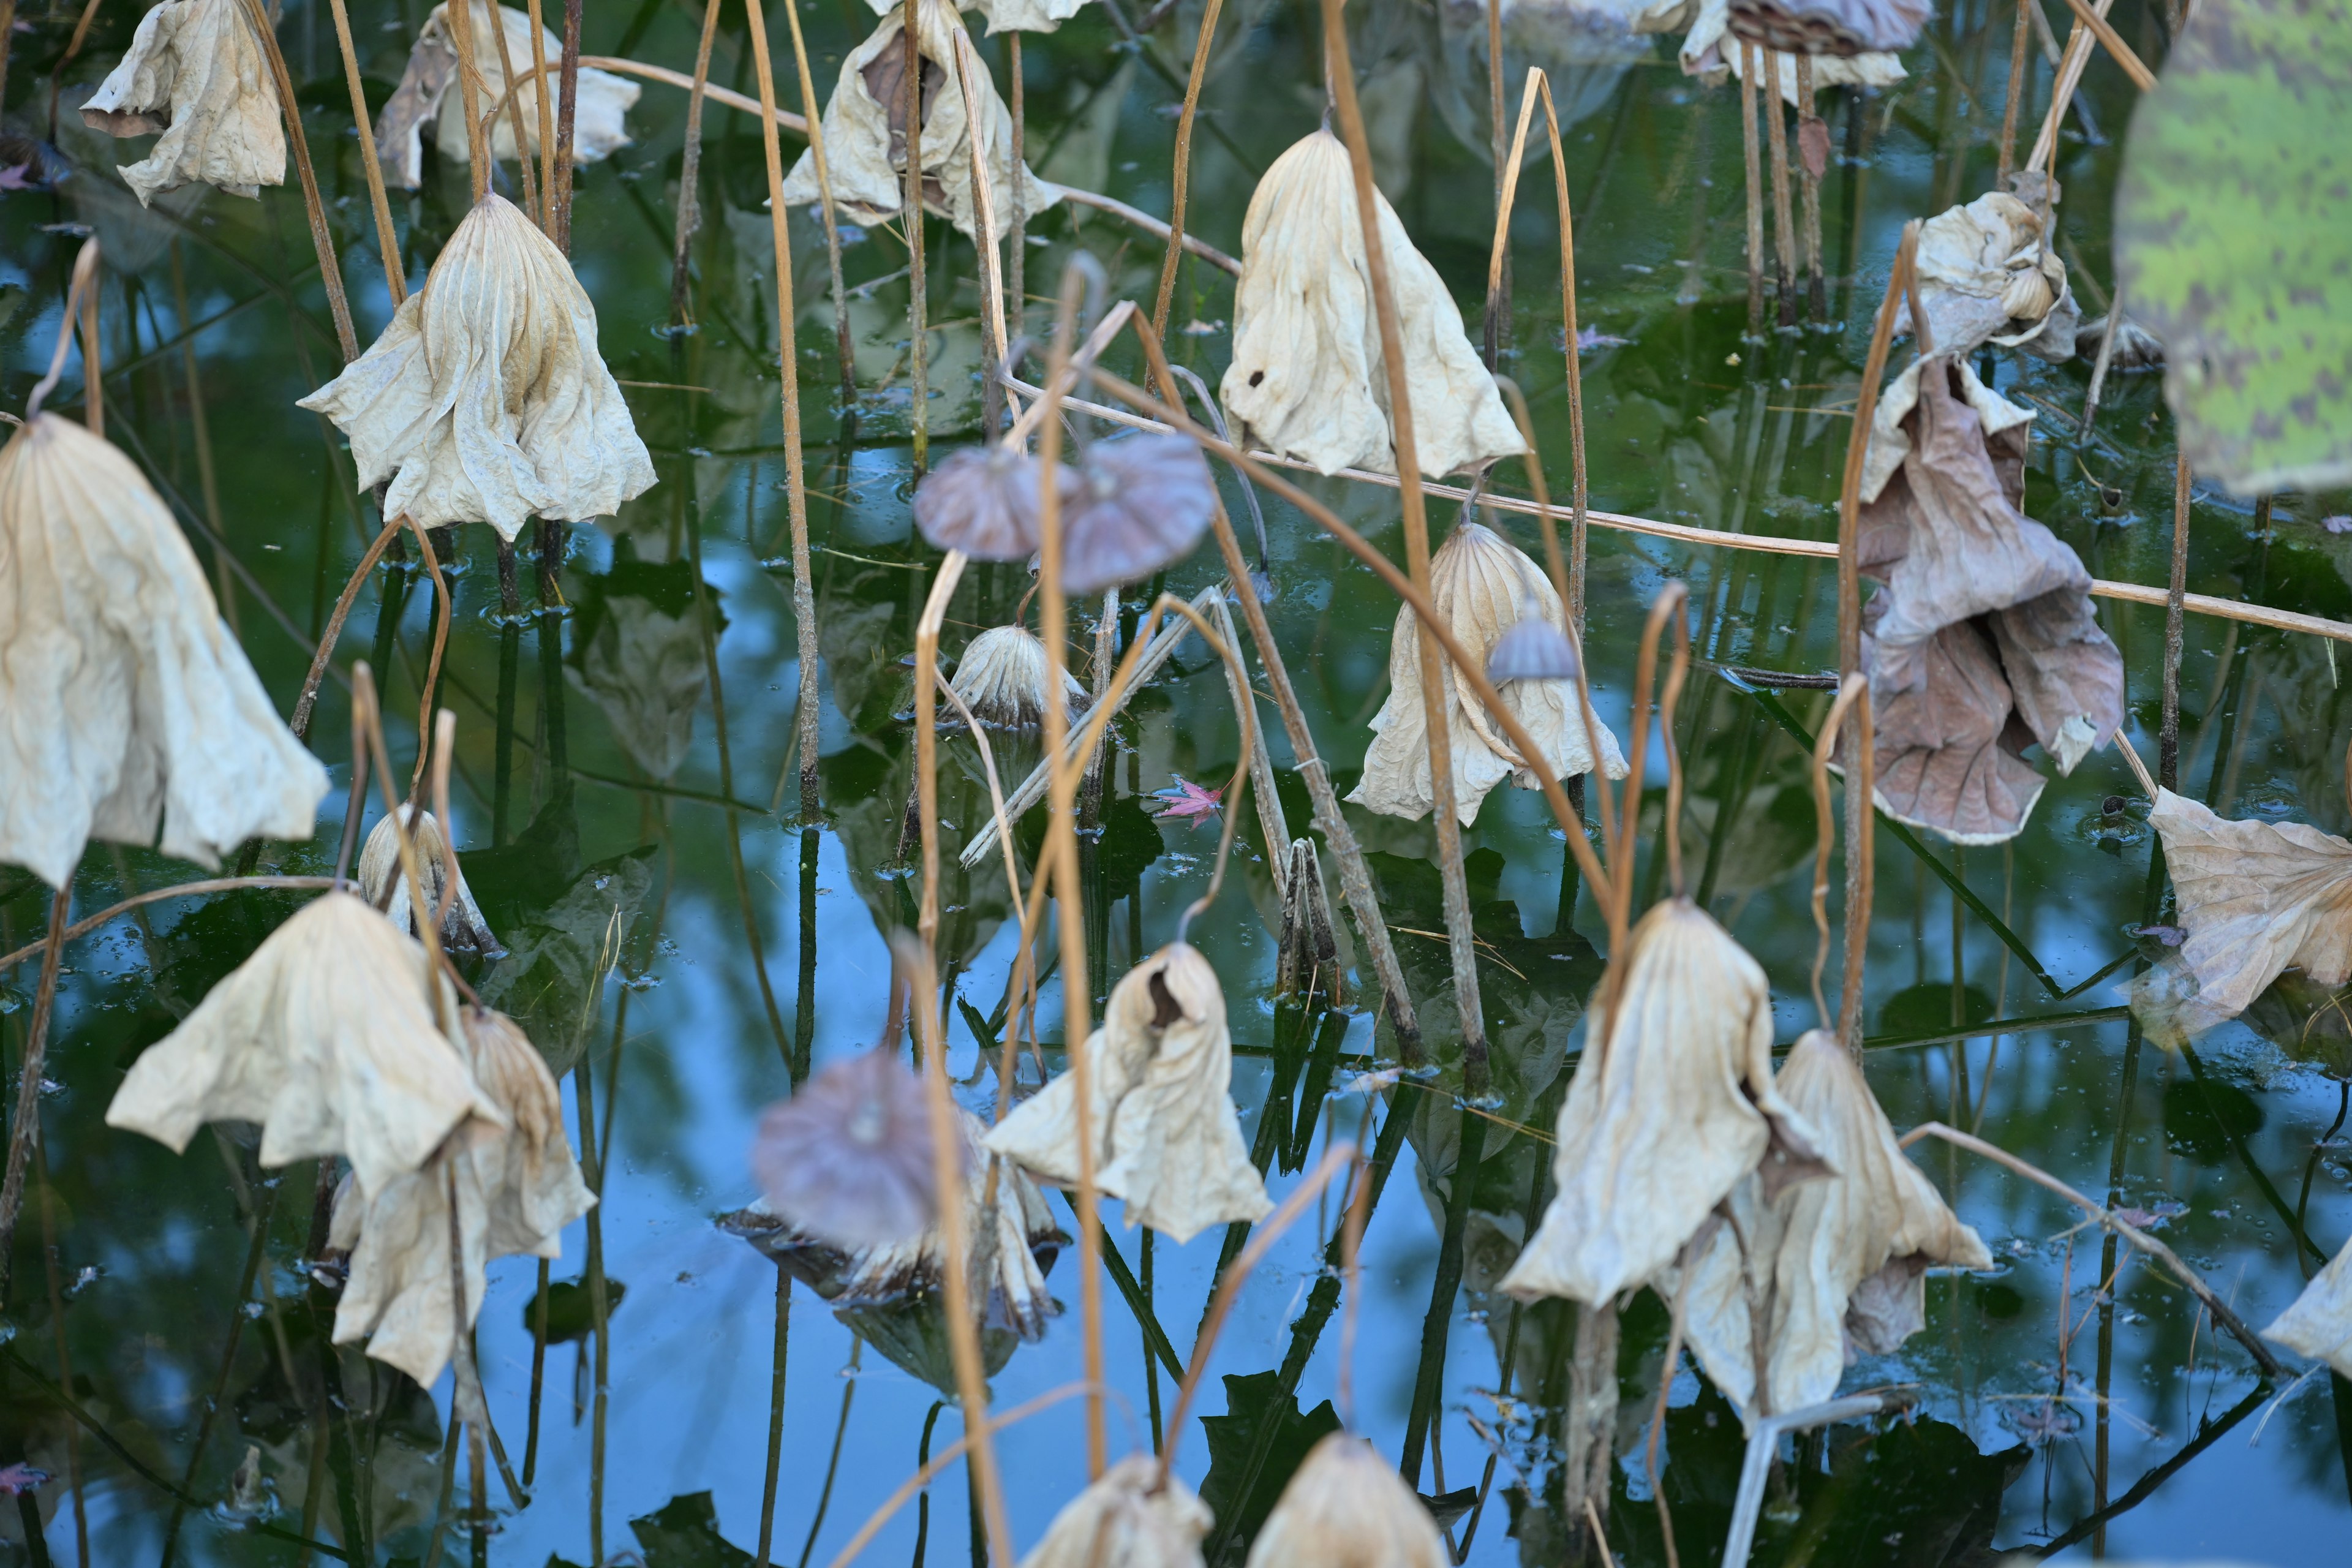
(427, 92)
(128, 707)
(1008, 15)
(1836, 1267)
(866, 132)
(1987, 276)
(325, 1037)
(1307, 378)
(1482, 584)
(1001, 678)
(1012, 1234)
(1127, 1519)
(196, 73)
(1669, 1118)
(1842, 27)
(383, 884)
(1346, 1507)
(486, 400)
(2256, 899)
(1166, 1139)
(2319, 1323)
(516, 1185)
(1710, 53)
(1985, 635)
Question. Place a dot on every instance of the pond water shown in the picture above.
(685, 945)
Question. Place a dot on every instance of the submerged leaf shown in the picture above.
(1166, 1139)
(2231, 239)
(196, 73)
(1307, 377)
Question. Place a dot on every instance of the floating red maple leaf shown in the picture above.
(1188, 799)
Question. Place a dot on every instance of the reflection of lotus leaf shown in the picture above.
(637, 653)
(2232, 242)
(555, 965)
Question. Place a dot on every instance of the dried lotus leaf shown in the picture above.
(1669, 1118)
(1127, 1519)
(1307, 377)
(1839, 27)
(1710, 52)
(1168, 1140)
(599, 127)
(1986, 276)
(1002, 678)
(1346, 1507)
(2319, 1323)
(196, 73)
(384, 885)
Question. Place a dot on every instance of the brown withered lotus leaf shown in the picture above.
(1838, 1265)
(1985, 637)
(983, 501)
(325, 1037)
(517, 1187)
(1307, 377)
(1002, 678)
(1711, 53)
(1127, 1519)
(2136, 347)
(1986, 276)
(1166, 1137)
(486, 400)
(848, 1158)
(125, 704)
(1841, 27)
(1140, 503)
(1012, 1234)
(383, 884)
(2319, 1323)
(1674, 1114)
(426, 93)
(1483, 584)
(196, 73)
(2256, 899)
(866, 132)
(1347, 1507)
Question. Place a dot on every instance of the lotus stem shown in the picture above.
(531, 201)
(1677, 1321)
(305, 704)
(795, 482)
(395, 276)
(690, 168)
(429, 931)
(927, 783)
(1775, 130)
(815, 132)
(1861, 867)
(331, 268)
(776, 1367)
(1763, 1445)
(440, 643)
(1817, 297)
(84, 280)
(445, 741)
(207, 480)
(1667, 608)
(546, 120)
(1506, 179)
(1855, 689)
(1342, 1157)
(918, 382)
(470, 86)
(25, 1116)
(1272, 825)
(996, 789)
(2167, 744)
(1183, 172)
(1017, 225)
(1460, 941)
(1748, 70)
(992, 342)
(1359, 1215)
(2097, 21)
(1061, 862)
(2016, 95)
(2138, 1238)
(2099, 365)
(560, 190)
(2071, 65)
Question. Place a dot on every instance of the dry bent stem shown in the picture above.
(1853, 689)
(1183, 176)
(90, 924)
(440, 645)
(1460, 941)
(1755, 185)
(795, 482)
(559, 190)
(304, 704)
(689, 167)
(546, 122)
(2061, 93)
(331, 267)
(2016, 95)
(530, 192)
(396, 277)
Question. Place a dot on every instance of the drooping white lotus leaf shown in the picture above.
(1986, 634)
(1346, 1507)
(383, 884)
(1127, 1519)
(196, 73)
(517, 1186)
(1837, 1265)
(1001, 678)
(1007, 15)
(2256, 899)
(428, 90)
(866, 132)
(2319, 1323)
(1307, 378)
(325, 1037)
(1012, 1234)
(1987, 276)
(1482, 584)
(486, 400)
(1661, 1125)
(124, 702)
(1708, 53)
(1166, 1139)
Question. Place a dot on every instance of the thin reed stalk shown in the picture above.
(2167, 744)
(566, 106)
(1817, 295)
(470, 88)
(322, 239)
(1784, 239)
(2071, 65)
(1506, 177)
(387, 240)
(113, 911)
(931, 1467)
(546, 118)
(796, 482)
(1016, 230)
(2015, 96)
(689, 167)
(810, 113)
(532, 206)
(1460, 941)
(23, 1116)
(440, 646)
(1183, 173)
(911, 210)
(993, 345)
(2105, 357)
(207, 480)
(1753, 162)
(308, 702)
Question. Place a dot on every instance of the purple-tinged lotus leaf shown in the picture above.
(984, 501)
(848, 1158)
(1141, 502)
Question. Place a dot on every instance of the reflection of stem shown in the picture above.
(775, 1414)
(537, 1376)
(1430, 1374)
(599, 1306)
(1748, 52)
(262, 1207)
(1776, 134)
(833, 1464)
(65, 1357)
